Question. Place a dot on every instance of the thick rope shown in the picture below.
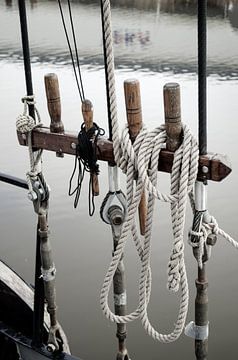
(142, 158)
(25, 124)
(148, 148)
(136, 159)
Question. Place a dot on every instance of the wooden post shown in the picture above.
(87, 111)
(135, 123)
(172, 112)
(54, 106)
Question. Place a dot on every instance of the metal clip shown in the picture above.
(197, 332)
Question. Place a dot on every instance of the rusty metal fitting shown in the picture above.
(201, 285)
(121, 336)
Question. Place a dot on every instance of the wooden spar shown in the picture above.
(135, 123)
(87, 111)
(54, 106)
(172, 112)
(215, 167)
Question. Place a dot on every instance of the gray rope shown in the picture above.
(25, 124)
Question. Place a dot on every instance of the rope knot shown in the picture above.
(213, 225)
(25, 123)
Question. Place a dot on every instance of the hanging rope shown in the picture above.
(86, 159)
(142, 158)
(136, 158)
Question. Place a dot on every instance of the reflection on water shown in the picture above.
(149, 35)
(152, 35)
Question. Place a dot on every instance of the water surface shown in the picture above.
(155, 41)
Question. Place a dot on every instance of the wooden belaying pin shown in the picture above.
(172, 112)
(87, 111)
(53, 102)
(135, 123)
(54, 105)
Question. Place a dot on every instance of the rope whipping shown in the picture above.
(85, 158)
(142, 158)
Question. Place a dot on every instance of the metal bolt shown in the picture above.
(37, 184)
(51, 347)
(32, 196)
(23, 136)
(205, 170)
(60, 153)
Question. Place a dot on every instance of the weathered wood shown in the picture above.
(87, 111)
(53, 102)
(172, 112)
(135, 123)
(215, 167)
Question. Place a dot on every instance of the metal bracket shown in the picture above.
(197, 332)
(38, 193)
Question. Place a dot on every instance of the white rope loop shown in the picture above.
(136, 160)
(25, 124)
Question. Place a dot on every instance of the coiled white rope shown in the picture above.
(142, 158)
(25, 124)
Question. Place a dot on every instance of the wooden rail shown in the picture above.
(215, 167)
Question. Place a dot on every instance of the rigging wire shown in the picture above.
(78, 77)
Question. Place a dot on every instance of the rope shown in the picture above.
(208, 227)
(25, 124)
(86, 159)
(142, 158)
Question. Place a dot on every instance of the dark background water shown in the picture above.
(155, 41)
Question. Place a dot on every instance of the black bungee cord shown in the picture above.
(85, 161)
(85, 157)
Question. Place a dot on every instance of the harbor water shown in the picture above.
(155, 41)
